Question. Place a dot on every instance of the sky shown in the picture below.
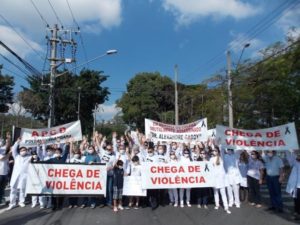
(150, 35)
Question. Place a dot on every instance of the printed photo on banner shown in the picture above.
(66, 179)
(177, 175)
(31, 137)
(282, 137)
(133, 186)
(192, 132)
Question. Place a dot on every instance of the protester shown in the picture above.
(243, 167)
(233, 176)
(221, 181)
(5, 153)
(293, 185)
(19, 176)
(255, 175)
(274, 178)
(118, 180)
(173, 192)
(135, 171)
(185, 159)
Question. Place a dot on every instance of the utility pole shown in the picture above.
(176, 95)
(230, 105)
(56, 40)
(95, 118)
(53, 43)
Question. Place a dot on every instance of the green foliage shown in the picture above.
(6, 91)
(36, 98)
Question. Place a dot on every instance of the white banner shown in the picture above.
(282, 137)
(30, 137)
(192, 132)
(133, 186)
(66, 179)
(177, 175)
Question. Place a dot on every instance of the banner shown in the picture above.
(282, 137)
(133, 186)
(177, 175)
(31, 137)
(192, 132)
(66, 179)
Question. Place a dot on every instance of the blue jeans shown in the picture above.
(275, 191)
(109, 190)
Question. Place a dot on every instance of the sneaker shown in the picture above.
(199, 206)
(33, 205)
(42, 207)
(175, 205)
(181, 205)
(136, 207)
(10, 207)
(216, 207)
(70, 207)
(238, 206)
(115, 209)
(252, 203)
(230, 205)
(21, 204)
(75, 206)
(205, 207)
(120, 207)
(82, 206)
(227, 211)
(93, 206)
(188, 204)
(258, 206)
(49, 206)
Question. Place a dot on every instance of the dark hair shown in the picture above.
(119, 163)
(59, 149)
(135, 158)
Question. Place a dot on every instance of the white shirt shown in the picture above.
(135, 170)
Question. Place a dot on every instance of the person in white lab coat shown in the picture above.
(221, 181)
(186, 158)
(234, 177)
(19, 175)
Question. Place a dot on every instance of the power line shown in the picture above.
(18, 75)
(40, 14)
(80, 35)
(58, 19)
(258, 28)
(8, 23)
(15, 65)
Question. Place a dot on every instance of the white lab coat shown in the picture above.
(231, 166)
(19, 175)
(294, 178)
(220, 177)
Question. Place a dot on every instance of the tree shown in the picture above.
(35, 98)
(6, 91)
(149, 95)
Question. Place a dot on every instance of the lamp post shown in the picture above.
(54, 75)
(78, 106)
(176, 95)
(230, 104)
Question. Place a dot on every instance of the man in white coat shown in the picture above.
(19, 175)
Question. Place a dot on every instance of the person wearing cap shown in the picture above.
(19, 176)
(186, 158)
(274, 178)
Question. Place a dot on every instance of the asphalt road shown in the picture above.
(246, 215)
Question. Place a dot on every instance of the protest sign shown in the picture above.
(192, 132)
(66, 179)
(133, 186)
(282, 137)
(177, 175)
(31, 137)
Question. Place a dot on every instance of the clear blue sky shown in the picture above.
(150, 35)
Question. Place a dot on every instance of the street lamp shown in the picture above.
(230, 105)
(53, 76)
(78, 109)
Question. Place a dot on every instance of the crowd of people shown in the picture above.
(238, 174)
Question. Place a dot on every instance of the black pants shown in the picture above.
(57, 202)
(73, 201)
(297, 202)
(3, 182)
(153, 196)
(254, 190)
